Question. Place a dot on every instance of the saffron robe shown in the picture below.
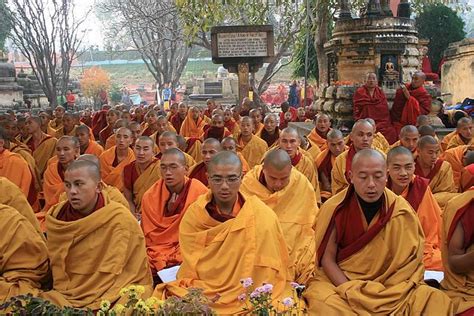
(24, 255)
(161, 225)
(296, 216)
(233, 127)
(23, 150)
(318, 140)
(16, 169)
(110, 142)
(446, 139)
(54, 125)
(375, 107)
(381, 143)
(388, 283)
(53, 184)
(45, 150)
(112, 175)
(459, 287)
(217, 254)
(138, 183)
(467, 178)
(304, 163)
(454, 157)
(94, 149)
(190, 128)
(94, 257)
(405, 112)
(258, 128)
(457, 141)
(194, 148)
(324, 164)
(253, 151)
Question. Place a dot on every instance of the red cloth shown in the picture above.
(350, 156)
(130, 175)
(326, 165)
(270, 139)
(176, 121)
(105, 133)
(294, 115)
(469, 312)
(465, 215)
(416, 190)
(230, 125)
(296, 159)
(190, 143)
(376, 108)
(69, 214)
(148, 132)
(218, 133)
(214, 212)
(86, 121)
(200, 173)
(178, 205)
(433, 171)
(400, 102)
(99, 122)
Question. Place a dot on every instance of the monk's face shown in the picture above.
(143, 151)
(211, 105)
(45, 119)
(162, 125)
(66, 151)
(256, 116)
(270, 124)
(217, 121)
(410, 140)
(111, 118)
(135, 130)
(182, 109)
(236, 114)
(83, 138)
(371, 81)
(401, 169)
(227, 115)
(224, 182)
(228, 145)
(301, 113)
(246, 127)
(428, 154)
(323, 124)
(10, 129)
(31, 126)
(68, 123)
(362, 136)
(126, 116)
(59, 112)
(123, 138)
(208, 151)
(151, 118)
(417, 81)
(369, 177)
(166, 143)
(275, 179)
(173, 109)
(81, 189)
(336, 146)
(172, 170)
(195, 113)
(289, 142)
(465, 130)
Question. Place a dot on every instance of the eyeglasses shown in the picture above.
(231, 180)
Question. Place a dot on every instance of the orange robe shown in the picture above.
(111, 170)
(218, 250)
(253, 151)
(467, 178)
(190, 128)
(110, 142)
(23, 150)
(457, 141)
(194, 148)
(245, 165)
(54, 125)
(45, 150)
(160, 224)
(16, 169)
(447, 139)
(324, 163)
(381, 143)
(304, 164)
(317, 139)
(94, 149)
(258, 129)
(138, 183)
(455, 158)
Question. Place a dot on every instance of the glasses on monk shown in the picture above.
(230, 180)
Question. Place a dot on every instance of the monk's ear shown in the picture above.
(350, 176)
(100, 186)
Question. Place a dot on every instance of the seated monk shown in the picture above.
(230, 144)
(325, 161)
(464, 133)
(178, 119)
(109, 253)
(361, 136)
(438, 172)
(161, 127)
(210, 147)
(275, 183)
(409, 137)
(290, 142)
(455, 157)
(256, 116)
(467, 173)
(221, 221)
(423, 120)
(112, 116)
(69, 125)
(252, 147)
(457, 250)
(193, 124)
(379, 142)
(270, 131)
(169, 140)
(427, 130)
(367, 220)
(416, 190)
(317, 136)
(151, 125)
(113, 160)
(112, 141)
(410, 101)
(370, 102)
(136, 130)
(140, 174)
(446, 139)
(230, 123)
(217, 129)
(163, 208)
(42, 145)
(87, 146)
(24, 256)
(57, 122)
(190, 146)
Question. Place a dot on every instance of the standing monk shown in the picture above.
(365, 221)
(87, 146)
(163, 207)
(270, 132)
(41, 145)
(221, 221)
(275, 183)
(210, 148)
(252, 147)
(371, 102)
(193, 124)
(463, 135)
(416, 190)
(96, 247)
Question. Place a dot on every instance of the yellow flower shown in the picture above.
(104, 305)
(132, 295)
(140, 289)
(151, 302)
(100, 313)
(140, 305)
(132, 288)
(123, 291)
(119, 308)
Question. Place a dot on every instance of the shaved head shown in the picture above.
(422, 120)
(177, 155)
(408, 129)
(224, 158)
(246, 119)
(427, 140)
(322, 116)
(290, 131)
(82, 129)
(277, 159)
(90, 167)
(360, 124)
(169, 134)
(229, 143)
(367, 153)
(371, 121)
(424, 130)
(146, 139)
(464, 121)
(270, 116)
(73, 140)
(369, 174)
(89, 157)
(212, 142)
(334, 134)
(397, 151)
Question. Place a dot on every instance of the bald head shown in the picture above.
(366, 154)
(170, 135)
(371, 121)
(334, 134)
(120, 123)
(91, 158)
(212, 142)
(369, 174)
(290, 131)
(427, 140)
(73, 141)
(277, 159)
(424, 130)
(399, 151)
(464, 121)
(422, 120)
(224, 159)
(229, 143)
(145, 140)
(362, 135)
(82, 129)
(89, 167)
(409, 137)
(175, 155)
(408, 129)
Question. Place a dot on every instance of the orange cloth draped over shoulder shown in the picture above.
(467, 178)
(138, 183)
(457, 141)
(110, 142)
(110, 193)
(455, 158)
(381, 143)
(391, 282)
(16, 169)
(193, 148)
(218, 250)
(43, 152)
(459, 287)
(160, 222)
(446, 139)
(418, 194)
(110, 170)
(94, 149)
(296, 216)
(190, 128)
(405, 112)
(93, 257)
(317, 139)
(253, 151)
(53, 184)
(24, 255)
(23, 150)
(245, 165)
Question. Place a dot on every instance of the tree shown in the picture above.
(299, 56)
(441, 26)
(4, 23)
(95, 80)
(48, 34)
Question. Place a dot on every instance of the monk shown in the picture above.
(87, 146)
(193, 124)
(427, 130)
(457, 252)
(464, 133)
(178, 119)
(161, 127)
(45, 119)
(270, 132)
(163, 207)
(210, 147)
(325, 161)
(290, 142)
(112, 116)
(140, 174)
(96, 247)
(423, 120)
(364, 221)
(252, 147)
(135, 128)
(68, 126)
(217, 129)
(416, 190)
(191, 146)
(169, 140)
(230, 123)
(379, 142)
(410, 101)
(438, 172)
(111, 140)
(317, 136)
(256, 116)
(455, 157)
(467, 173)
(446, 139)
(230, 144)
(211, 106)
(361, 136)
(409, 137)
(370, 102)
(221, 221)
(57, 122)
(113, 160)
(41, 145)
(275, 183)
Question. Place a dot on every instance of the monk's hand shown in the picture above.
(172, 200)
(405, 91)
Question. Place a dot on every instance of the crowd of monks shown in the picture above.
(94, 202)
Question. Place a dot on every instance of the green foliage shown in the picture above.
(299, 58)
(441, 26)
(29, 305)
(4, 23)
(115, 93)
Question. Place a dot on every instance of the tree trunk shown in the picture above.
(320, 38)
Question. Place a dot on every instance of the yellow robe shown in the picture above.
(110, 142)
(93, 258)
(53, 185)
(455, 158)
(16, 169)
(113, 175)
(457, 141)
(94, 149)
(24, 256)
(460, 287)
(316, 140)
(25, 152)
(253, 151)
(447, 139)
(296, 216)
(43, 153)
(54, 125)
(217, 255)
(380, 143)
(195, 151)
(151, 175)
(385, 276)
(442, 185)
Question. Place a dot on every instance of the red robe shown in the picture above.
(99, 122)
(176, 121)
(404, 112)
(199, 172)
